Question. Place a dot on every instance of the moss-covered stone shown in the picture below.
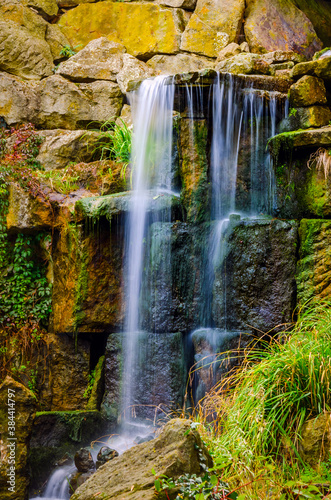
(145, 29)
(314, 266)
(254, 283)
(98, 386)
(214, 24)
(303, 118)
(307, 91)
(195, 192)
(318, 11)
(315, 444)
(57, 434)
(17, 407)
(320, 68)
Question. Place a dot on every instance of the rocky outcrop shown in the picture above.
(307, 91)
(175, 452)
(318, 12)
(314, 266)
(279, 25)
(255, 276)
(145, 29)
(214, 24)
(320, 68)
(62, 146)
(16, 99)
(183, 63)
(17, 405)
(23, 49)
(62, 104)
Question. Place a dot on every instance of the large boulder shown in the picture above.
(214, 24)
(61, 147)
(18, 405)
(244, 64)
(180, 63)
(279, 25)
(319, 13)
(16, 99)
(56, 41)
(48, 9)
(99, 60)
(27, 212)
(320, 68)
(23, 48)
(145, 29)
(34, 62)
(178, 450)
(307, 91)
(62, 104)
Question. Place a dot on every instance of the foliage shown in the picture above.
(115, 142)
(19, 147)
(88, 390)
(253, 419)
(293, 112)
(68, 51)
(63, 180)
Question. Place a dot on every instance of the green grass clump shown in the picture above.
(279, 386)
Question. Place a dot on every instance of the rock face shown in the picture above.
(21, 28)
(255, 279)
(318, 11)
(173, 453)
(145, 29)
(315, 445)
(62, 146)
(62, 104)
(83, 460)
(14, 452)
(214, 24)
(314, 266)
(16, 99)
(279, 25)
(180, 63)
(308, 91)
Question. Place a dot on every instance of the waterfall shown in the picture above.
(152, 109)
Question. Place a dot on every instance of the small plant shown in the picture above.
(322, 161)
(68, 51)
(115, 143)
(293, 112)
(88, 390)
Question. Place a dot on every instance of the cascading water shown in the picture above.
(152, 178)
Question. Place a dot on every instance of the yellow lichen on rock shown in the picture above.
(144, 29)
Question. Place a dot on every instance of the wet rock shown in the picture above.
(254, 283)
(126, 118)
(175, 452)
(98, 386)
(300, 139)
(315, 445)
(105, 454)
(83, 460)
(14, 452)
(62, 104)
(313, 275)
(279, 25)
(56, 436)
(180, 63)
(132, 69)
(302, 118)
(140, 440)
(87, 290)
(193, 170)
(244, 63)
(62, 146)
(110, 406)
(308, 91)
(213, 25)
(77, 479)
(320, 68)
(145, 29)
